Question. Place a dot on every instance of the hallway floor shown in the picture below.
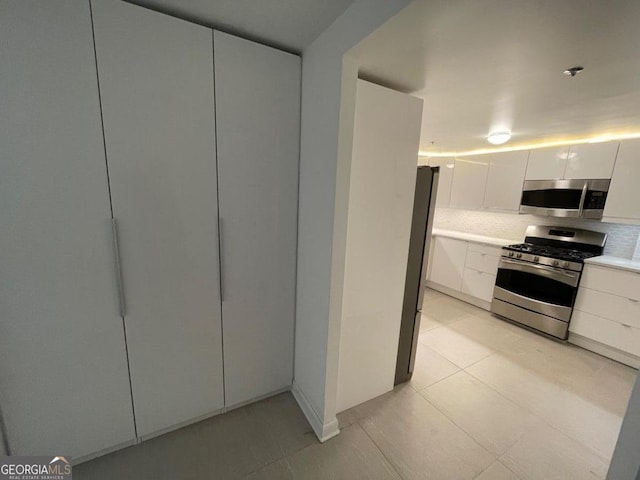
(488, 401)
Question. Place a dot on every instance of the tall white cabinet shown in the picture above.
(386, 135)
(156, 85)
(113, 316)
(64, 382)
(258, 122)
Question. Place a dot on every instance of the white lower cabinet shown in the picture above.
(481, 261)
(447, 262)
(478, 284)
(463, 266)
(607, 311)
(608, 332)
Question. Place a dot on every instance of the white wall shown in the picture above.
(328, 91)
(625, 464)
(386, 139)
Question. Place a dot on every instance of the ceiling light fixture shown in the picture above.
(498, 138)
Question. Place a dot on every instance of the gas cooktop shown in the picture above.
(560, 247)
(551, 252)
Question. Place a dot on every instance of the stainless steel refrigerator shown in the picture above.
(421, 226)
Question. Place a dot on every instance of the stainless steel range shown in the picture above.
(538, 280)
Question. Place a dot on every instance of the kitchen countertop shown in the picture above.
(471, 237)
(604, 260)
(615, 262)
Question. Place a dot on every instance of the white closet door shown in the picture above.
(258, 115)
(156, 80)
(64, 384)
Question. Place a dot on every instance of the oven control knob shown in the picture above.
(556, 263)
(519, 255)
(511, 254)
(536, 259)
(565, 264)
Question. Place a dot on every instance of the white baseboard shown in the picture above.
(257, 399)
(177, 426)
(158, 433)
(459, 295)
(605, 350)
(324, 431)
(106, 451)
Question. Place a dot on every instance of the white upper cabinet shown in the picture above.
(504, 180)
(445, 178)
(591, 160)
(547, 163)
(469, 181)
(588, 160)
(623, 200)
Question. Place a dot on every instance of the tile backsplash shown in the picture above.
(622, 240)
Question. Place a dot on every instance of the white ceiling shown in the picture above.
(287, 24)
(494, 64)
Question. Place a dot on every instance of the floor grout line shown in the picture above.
(468, 434)
(379, 448)
(438, 381)
(538, 417)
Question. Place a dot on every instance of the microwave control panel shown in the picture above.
(595, 200)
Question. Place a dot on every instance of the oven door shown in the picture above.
(547, 290)
(556, 198)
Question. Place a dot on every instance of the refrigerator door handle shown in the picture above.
(220, 259)
(414, 342)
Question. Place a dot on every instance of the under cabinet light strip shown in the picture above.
(532, 146)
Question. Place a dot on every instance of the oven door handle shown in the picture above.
(569, 278)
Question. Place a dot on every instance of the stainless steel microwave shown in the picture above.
(565, 198)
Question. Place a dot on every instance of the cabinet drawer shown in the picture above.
(610, 280)
(478, 284)
(612, 307)
(485, 249)
(605, 331)
(482, 262)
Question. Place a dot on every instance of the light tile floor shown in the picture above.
(487, 401)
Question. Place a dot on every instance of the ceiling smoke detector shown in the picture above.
(573, 71)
